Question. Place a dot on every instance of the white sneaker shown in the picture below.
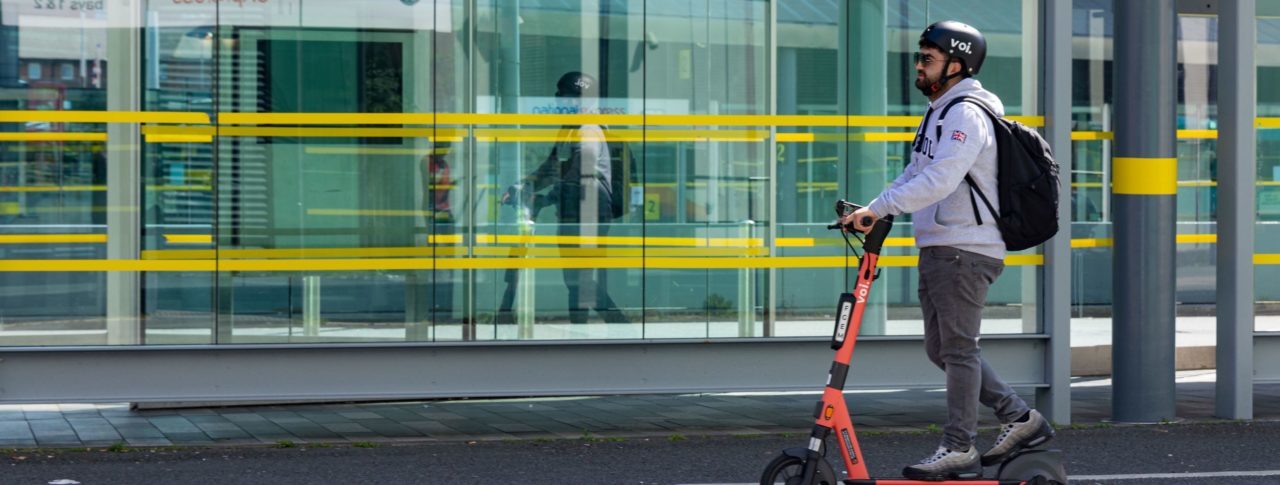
(1035, 431)
(946, 464)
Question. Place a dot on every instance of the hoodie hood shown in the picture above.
(972, 88)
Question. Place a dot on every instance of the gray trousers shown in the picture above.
(953, 290)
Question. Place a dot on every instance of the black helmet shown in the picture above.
(575, 84)
(958, 40)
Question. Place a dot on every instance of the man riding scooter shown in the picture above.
(959, 256)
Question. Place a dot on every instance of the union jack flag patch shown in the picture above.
(958, 136)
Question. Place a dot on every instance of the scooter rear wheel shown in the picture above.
(789, 470)
(1035, 467)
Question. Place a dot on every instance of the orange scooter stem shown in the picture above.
(832, 415)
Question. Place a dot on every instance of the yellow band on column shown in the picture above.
(1144, 176)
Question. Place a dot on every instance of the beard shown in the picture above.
(925, 85)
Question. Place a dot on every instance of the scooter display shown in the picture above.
(809, 466)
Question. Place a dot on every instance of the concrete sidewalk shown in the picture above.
(81, 425)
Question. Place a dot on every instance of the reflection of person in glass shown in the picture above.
(577, 178)
(435, 168)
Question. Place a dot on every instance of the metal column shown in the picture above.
(1144, 185)
(785, 162)
(770, 303)
(509, 153)
(867, 93)
(1032, 100)
(124, 173)
(1237, 171)
(1055, 308)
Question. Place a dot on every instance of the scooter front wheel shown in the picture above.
(789, 470)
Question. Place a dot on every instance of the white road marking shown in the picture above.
(1145, 476)
(1134, 476)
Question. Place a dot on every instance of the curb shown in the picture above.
(1096, 360)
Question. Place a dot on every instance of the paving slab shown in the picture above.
(537, 418)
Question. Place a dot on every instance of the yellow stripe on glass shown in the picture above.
(53, 238)
(444, 239)
(1107, 135)
(1092, 243)
(231, 118)
(188, 238)
(1197, 239)
(417, 264)
(52, 116)
(327, 118)
(305, 125)
(1092, 135)
(301, 132)
(179, 138)
(536, 119)
(1181, 239)
(201, 261)
(1197, 134)
(53, 136)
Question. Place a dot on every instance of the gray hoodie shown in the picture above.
(933, 186)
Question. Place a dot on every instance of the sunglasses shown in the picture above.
(925, 59)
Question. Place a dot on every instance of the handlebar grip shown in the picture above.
(834, 226)
(866, 221)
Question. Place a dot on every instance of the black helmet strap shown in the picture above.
(946, 78)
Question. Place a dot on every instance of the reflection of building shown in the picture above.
(60, 71)
(53, 45)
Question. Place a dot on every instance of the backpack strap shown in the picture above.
(920, 131)
(973, 187)
(937, 136)
(963, 99)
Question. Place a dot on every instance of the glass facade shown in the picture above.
(1267, 235)
(305, 171)
(1092, 102)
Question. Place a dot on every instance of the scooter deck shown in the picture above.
(904, 481)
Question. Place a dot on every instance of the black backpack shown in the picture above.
(622, 167)
(1027, 181)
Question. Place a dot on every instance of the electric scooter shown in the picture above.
(808, 465)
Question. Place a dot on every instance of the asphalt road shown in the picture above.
(1101, 453)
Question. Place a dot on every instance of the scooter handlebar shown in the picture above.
(866, 221)
(877, 233)
(844, 208)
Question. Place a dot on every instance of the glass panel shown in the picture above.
(450, 194)
(709, 180)
(329, 171)
(321, 225)
(1197, 173)
(557, 226)
(810, 169)
(1009, 72)
(177, 172)
(53, 170)
(1267, 230)
(1091, 106)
